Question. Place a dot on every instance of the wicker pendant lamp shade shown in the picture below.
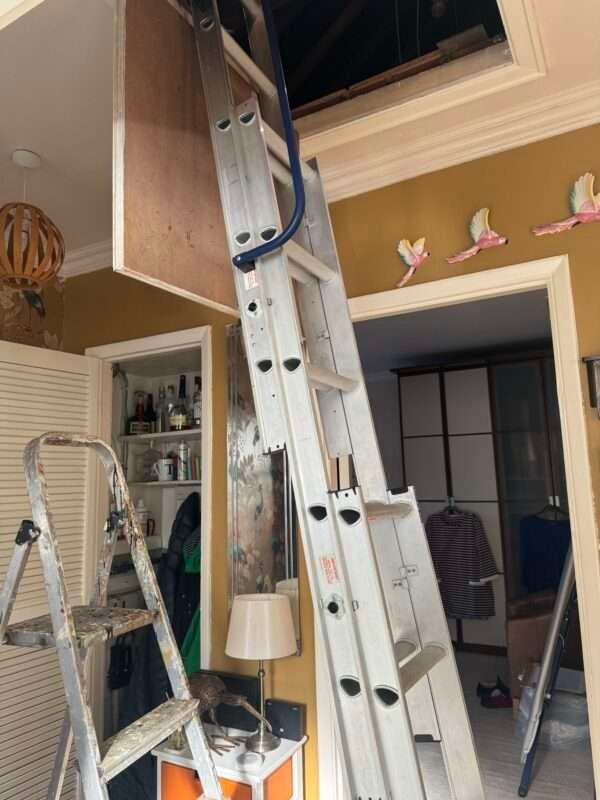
(32, 249)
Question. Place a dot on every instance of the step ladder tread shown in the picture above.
(139, 738)
(91, 625)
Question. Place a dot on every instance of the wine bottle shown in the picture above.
(149, 415)
(161, 421)
(170, 403)
(178, 418)
(197, 403)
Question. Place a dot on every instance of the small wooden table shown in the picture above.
(278, 777)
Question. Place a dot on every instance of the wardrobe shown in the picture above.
(481, 435)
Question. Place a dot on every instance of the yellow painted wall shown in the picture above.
(104, 307)
(523, 187)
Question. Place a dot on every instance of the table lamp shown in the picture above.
(261, 628)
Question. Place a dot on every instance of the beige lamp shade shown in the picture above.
(261, 627)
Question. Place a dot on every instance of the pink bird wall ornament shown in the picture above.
(482, 235)
(413, 255)
(585, 207)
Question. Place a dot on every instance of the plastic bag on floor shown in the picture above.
(565, 725)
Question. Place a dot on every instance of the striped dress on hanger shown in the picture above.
(462, 558)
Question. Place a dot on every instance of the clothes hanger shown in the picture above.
(451, 507)
(551, 507)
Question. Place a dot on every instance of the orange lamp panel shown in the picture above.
(180, 783)
(280, 785)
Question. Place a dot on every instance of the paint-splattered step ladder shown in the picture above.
(72, 630)
(375, 595)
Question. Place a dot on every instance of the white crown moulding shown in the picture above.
(90, 258)
(550, 116)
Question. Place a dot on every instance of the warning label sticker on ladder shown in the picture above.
(330, 569)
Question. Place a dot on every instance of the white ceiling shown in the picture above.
(500, 323)
(56, 99)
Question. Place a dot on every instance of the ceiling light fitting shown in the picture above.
(32, 248)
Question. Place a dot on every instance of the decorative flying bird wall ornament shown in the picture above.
(585, 207)
(413, 255)
(483, 237)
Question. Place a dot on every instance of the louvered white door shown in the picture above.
(42, 390)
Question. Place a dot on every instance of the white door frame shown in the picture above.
(553, 275)
(171, 343)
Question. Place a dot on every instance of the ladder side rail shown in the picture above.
(310, 483)
(316, 334)
(393, 573)
(370, 611)
(219, 101)
(99, 600)
(245, 261)
(458, 746)
(63, 751)
(67, 651)
(563, 597)
(365, 447)
(318, 538)
(261, 56)
(12, 579)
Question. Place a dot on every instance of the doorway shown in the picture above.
(146, 369)
(554, 341)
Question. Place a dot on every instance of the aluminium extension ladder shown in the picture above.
(375, 594)
(72, 630)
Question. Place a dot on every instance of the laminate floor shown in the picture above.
(558, 774)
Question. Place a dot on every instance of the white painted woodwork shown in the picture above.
(43, 390)
(553, 275)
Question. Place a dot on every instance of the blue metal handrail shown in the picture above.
(244, 259)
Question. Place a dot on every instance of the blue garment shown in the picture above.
(544, 546)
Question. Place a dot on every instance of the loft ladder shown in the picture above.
(377, 605)
(73, 630)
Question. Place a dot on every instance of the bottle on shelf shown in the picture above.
(170, 404)
(197, 403)
(183, 462)
(161, 411)
(149, 414)
(178, 420)
(138, 423)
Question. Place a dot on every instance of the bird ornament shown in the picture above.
(585, 208)
(413, 255)
(482, 235)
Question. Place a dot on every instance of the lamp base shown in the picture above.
(262, 742)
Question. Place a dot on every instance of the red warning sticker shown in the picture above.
(330, 569)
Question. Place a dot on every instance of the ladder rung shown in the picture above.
(420, 664)
(324, 380)
(144, 734)
(395, 510)
(242, 63)
(403, 648)
(91, 625)
(278, 148)
(236, 56)
(307, 263)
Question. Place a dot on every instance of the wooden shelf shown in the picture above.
(164, 484)
(169, 436)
